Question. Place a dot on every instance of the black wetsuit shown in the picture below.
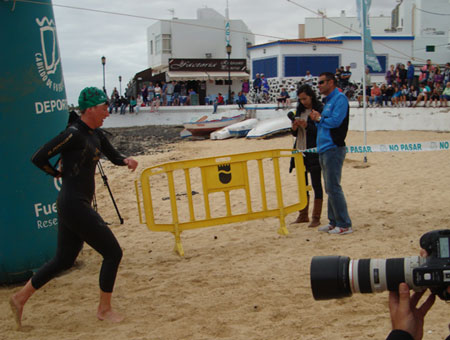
(80, 148)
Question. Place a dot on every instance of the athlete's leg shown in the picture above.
(68, 248)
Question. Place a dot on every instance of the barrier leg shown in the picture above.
(178, 246)
(282, 230)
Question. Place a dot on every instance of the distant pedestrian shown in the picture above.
(410, 74)
(242, 100)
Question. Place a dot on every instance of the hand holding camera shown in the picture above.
(296, 121)
(405, 315)
(334, 277)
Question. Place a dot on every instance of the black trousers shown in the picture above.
(316, 181)
(79, 223)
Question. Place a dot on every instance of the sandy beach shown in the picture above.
(244, 281)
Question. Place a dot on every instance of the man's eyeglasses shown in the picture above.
(321, 82)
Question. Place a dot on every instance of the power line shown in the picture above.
(422, 10)
(144, 17)
(209, 27)
(171, 21)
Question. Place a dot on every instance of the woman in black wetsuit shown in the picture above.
(305, 131)
(80, 147)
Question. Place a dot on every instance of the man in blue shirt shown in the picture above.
(332, 127)
(257, 83)
(410, 74)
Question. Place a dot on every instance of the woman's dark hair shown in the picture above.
(306, 89)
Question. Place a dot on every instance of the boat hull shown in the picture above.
(204, 128)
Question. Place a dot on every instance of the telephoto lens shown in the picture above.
(335, 277)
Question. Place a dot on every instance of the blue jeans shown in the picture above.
(331, 162)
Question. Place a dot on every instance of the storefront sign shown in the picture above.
(205, 65)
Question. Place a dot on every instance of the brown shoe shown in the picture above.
(303, 214)
(317, 211)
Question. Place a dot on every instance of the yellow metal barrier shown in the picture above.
(220, 174)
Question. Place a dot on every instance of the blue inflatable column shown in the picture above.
(33, 109)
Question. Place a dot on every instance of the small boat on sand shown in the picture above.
(269, 127)
(205, 127)
(241, 129)
(220, 134)
(235, 130)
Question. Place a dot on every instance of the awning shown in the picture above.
(224, 75)
(183, 75)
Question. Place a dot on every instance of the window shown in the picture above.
(166, 43)
(296, 66)
(430, 48)
(158, 44)
(249, 44)
(151, 47)
(266, 66)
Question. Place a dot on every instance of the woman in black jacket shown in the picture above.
(306, 132)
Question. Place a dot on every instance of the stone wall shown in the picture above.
(276, 84)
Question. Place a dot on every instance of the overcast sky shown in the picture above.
(84, 36)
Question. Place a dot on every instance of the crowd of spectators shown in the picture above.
(172, 93)
(400, 88)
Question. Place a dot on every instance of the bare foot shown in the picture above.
(110, 316)
(17, 310)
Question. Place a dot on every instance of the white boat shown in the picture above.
(241, 129)
(185, 134)
(205, 127)
(269, 127)
(223, 133)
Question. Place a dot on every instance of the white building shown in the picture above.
(327, 26)
(423, 20)
(202, 40)
(416, 31)
(292, 58)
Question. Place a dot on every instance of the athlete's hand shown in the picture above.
(131, 163)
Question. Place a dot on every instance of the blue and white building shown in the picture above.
(416, 31)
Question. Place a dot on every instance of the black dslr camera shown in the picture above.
(334, 277)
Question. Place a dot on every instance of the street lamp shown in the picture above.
(120, 85)
(229, 75)
(103, 63)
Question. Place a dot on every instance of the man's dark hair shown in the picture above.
(329, 76)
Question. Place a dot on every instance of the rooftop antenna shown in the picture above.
(172, 12)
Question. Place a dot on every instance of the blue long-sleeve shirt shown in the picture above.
(410, 72)
(333, 115)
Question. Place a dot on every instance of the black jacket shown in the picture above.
(311, 159)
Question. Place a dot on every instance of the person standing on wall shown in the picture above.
(332, 127)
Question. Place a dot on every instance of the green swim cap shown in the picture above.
(91, 96)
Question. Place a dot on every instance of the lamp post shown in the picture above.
(103, 63)
(229, 75)
(120, 85)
